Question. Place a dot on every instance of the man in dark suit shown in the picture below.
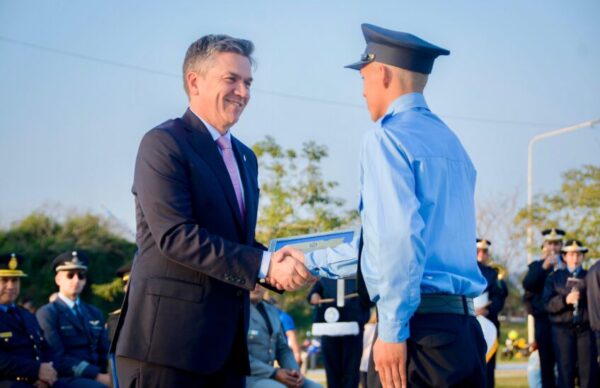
(75, 330)
(185, 316)
(25, 359)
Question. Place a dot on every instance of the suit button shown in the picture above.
(37, 358)
(238, 293)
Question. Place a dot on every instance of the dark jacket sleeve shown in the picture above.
(162, 185)
(103, 342)
(554, 302)
(497, 296)
(534, 280)
(66, 365)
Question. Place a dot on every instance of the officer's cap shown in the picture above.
(124, 271)
(70, 261)
(574, 246)
(483, 244)
(553, 234)
(399, 49)
(10, 265)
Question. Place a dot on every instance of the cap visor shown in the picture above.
(357, 65)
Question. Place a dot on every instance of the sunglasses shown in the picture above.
(80, 275)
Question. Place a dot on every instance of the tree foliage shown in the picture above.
(574, 208)
(40, 237)
(295, 200)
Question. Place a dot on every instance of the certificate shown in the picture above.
(311, 242)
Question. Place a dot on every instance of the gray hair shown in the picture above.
(201, 52)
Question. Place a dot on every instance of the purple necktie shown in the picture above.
(229, 158)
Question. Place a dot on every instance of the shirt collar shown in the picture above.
(403, 103)
(5, 307)
(212, 130)
(68, 301)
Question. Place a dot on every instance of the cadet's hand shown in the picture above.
(287, 377)
(550, 261)
(104, 378)
(41, 384)
(47, 373)
(287, 271)
(573, 297)
(482, 311)
(315, 298)
(390, 363)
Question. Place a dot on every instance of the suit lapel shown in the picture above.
(204, 145)
(246, 175)
(68, 313)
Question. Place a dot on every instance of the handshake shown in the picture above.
(287, 270)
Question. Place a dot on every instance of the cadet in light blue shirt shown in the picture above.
(418, 222)
(417, 214)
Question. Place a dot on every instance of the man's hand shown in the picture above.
(482, 311)
(47, 373)
(104, 378)
(390, 363)
(287, 270)
(573, 297)
(550, 261)
(289, 378)
(315, 298)
(41, 384)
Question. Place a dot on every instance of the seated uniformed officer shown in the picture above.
(565, 300)
(25, 359)
(75, 330)
(123, 273)
(267, 344)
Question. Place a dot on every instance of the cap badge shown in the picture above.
(367, 57)
(13, 263)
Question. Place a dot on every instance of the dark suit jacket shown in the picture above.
(187, 304)
(79, 345)
(22, 347)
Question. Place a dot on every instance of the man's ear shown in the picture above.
(191, 78)
(386, 76)
(56, 279)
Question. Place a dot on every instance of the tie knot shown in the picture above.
(224, 142)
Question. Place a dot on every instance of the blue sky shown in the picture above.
(71, 120)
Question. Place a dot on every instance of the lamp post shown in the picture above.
(535, 139)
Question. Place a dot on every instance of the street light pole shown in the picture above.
(534, 140)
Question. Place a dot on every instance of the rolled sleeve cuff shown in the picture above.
(393, 332)
(264, 265)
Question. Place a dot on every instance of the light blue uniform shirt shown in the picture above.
(417, 211)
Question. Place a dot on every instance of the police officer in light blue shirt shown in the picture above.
(416, 251)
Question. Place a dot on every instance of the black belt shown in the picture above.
(445, 304)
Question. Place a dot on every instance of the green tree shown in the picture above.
(40, 238)
(574, 208)
(295, 199)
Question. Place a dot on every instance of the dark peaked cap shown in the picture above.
(399, 49)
